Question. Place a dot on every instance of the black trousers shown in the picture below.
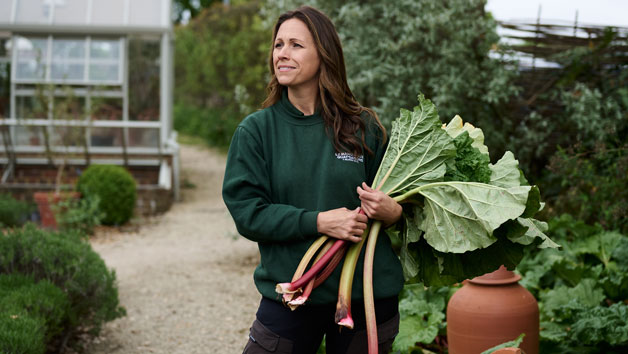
(280, 330)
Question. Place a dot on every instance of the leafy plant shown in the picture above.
(590, 185)
(80, 214)
(20, 295)
(13, 212)
(422, 324)
(68, 261)
(115, 188)
(214, 92)
(583, 288)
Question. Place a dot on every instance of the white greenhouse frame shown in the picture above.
(37, 19)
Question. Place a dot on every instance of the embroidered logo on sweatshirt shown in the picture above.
(345, 156)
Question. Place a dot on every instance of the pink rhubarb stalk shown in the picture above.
(294, 303)
(292, 287)
(287, 294)
(369, 302)
(331, 266)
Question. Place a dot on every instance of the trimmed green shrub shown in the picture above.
(21, 333)
(13, 212)
(43, 302)
(68, 261)
(116, 189)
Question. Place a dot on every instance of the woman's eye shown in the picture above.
(298, 45)
(278, 45)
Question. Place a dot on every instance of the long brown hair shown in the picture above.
(339, 108)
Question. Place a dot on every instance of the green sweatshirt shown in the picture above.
(282, 170)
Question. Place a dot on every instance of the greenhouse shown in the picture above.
(87, 82)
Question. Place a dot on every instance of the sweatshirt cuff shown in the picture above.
(308, 224)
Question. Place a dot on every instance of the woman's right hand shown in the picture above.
(342, 223)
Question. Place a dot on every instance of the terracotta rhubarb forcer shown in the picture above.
(490, 310)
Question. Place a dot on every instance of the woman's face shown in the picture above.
(295, 58)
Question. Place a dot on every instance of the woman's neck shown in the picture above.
(304, 99)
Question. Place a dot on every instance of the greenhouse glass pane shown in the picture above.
(31, 107)
(70, 11)
(5, 10)
(144, 93)
(105, 49)
(33, 11)
(143, 137)
(68, 59)
(104, 72)
(145, 13)
(106, 137)
(69, 108)
(67, 71)
(31, 58)
(29, 136)
(68, 136)
(68, 49)
(106, 108)
(108, 12)
(104, 60)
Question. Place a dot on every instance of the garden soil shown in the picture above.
(184, 277)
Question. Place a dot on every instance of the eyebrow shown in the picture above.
(290, 40)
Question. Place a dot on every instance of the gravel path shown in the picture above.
(185, 277)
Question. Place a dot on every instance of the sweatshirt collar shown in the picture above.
(293, 115)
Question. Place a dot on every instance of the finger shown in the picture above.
(367, 188)
(354, 239)
(368, 196)
(363, 218)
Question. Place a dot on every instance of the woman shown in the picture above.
(292, 174)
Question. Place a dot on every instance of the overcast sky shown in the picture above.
(594, 12)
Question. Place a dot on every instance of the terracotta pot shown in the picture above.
(490, 310)
(45, 201)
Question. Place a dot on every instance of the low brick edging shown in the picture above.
(151, 199)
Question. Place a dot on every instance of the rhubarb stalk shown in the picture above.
(343, 306)
(294, 303)
(289, 294)
(283, 288)
(369, 302)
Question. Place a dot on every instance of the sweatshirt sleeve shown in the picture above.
(246, 192)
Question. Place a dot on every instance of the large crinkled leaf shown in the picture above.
(417, 150)
(456, 127)
(505, 173)
(461, 216)
(535, 228)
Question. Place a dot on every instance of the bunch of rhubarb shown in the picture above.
(463, 216)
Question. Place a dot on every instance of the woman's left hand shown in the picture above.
(379, 205)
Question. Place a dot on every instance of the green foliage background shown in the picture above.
(567, 127)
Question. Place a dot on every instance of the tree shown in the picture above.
(396, 49)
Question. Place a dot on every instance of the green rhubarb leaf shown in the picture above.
(533, 204)
(535, 228)
(475, 263)
(422, 312)
(515, 343)
(461, 216)
(456, 127)
(417, 151)
(505, 173)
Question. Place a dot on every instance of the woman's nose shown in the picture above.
(283, 53)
